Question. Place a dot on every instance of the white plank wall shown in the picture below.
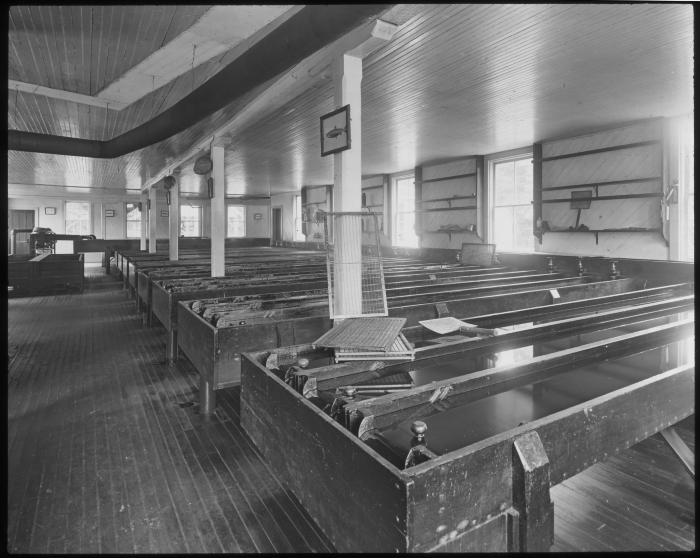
(640, 167)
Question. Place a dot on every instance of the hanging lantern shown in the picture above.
(168, 182)
(202, 165)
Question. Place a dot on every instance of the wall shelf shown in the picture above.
(428, 180)
(373, 187)
(603, 183)
(604, 198)
(445, 209)
(449, 200)
(596, 232)
(450, 232)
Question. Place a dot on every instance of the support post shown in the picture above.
(152, 221)
(171, 348)
(347, 190)
(144, 221)
(207, 396)
(531, 496)
(218, 210)
(347, 168)
(174, 219)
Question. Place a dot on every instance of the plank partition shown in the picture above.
(457, 500)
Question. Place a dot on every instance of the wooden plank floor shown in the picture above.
(107, 453)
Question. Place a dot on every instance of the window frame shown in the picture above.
(297, 233)
(199, 221)
(89, 218)
(491, 162)
(686, 191)
(126, 219)
(394, 208)
(245, 216)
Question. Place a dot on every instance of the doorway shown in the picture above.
(20, 219)
(276, 225)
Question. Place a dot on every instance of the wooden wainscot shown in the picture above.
(490, 496)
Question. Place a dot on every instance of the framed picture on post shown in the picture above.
(335, 131)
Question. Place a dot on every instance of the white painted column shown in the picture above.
(144, 221)
(174, 219)
(152, 221)
(347, 190)
(218, 210)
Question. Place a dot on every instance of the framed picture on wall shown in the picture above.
(109, 213)
(335, 131)
(257, 216)
(50, 211)
(163, 212)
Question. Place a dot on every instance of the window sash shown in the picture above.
(133, 221)
(235, 224)
(511, 173)
(78, 218)
(191, 220)
(404, 213)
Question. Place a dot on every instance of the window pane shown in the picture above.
(523, 240)
(235, 226)
(78, 218)
(691, 228)
(405, 217)
(503, 183)
(133, 220)
(503, 229)
(190, 220)
(297, 219)
(133, 229)
(523, 181)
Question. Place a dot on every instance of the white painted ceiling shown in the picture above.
(455, 80)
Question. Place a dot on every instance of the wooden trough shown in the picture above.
(491, 494)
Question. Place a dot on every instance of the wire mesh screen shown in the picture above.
(355, 272)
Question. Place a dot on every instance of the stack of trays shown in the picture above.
(368, 339)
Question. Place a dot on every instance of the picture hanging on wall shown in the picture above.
(163, 212)
(50, 210)
(335, 131)
(109, 213)
(257, 216)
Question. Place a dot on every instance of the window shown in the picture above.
(191, 220)
(405, 213)
(133, 220)
(298, 235)
(78, 218)
(686, 193)
(511, 193)
(235, 221)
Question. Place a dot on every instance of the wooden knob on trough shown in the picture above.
(419, 428)
(349, 391)
(303, 362)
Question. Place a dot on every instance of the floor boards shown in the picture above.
(108, 454)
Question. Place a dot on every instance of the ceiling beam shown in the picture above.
(313, 69)
(309, 30)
